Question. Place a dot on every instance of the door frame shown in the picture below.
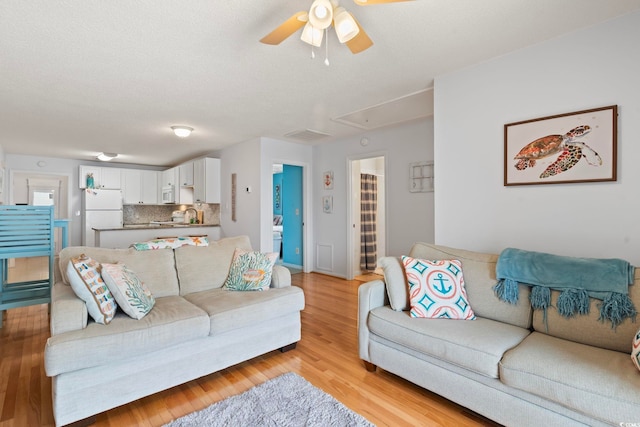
(350, 211)
(306, 209)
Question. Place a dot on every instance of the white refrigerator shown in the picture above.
(100, 209)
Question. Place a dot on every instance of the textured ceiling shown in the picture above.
(84, 76)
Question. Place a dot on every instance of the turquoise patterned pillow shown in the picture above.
(131, 294)
(436, 289)
(250, 271)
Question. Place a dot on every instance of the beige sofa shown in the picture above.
(506, 365)
(194, 329)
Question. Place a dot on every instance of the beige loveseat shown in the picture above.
(194, 329)
(507, 364)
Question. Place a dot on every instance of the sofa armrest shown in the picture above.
(280, 277)
(370, 295)
(68, 312)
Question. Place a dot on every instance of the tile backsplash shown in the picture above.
(144, 214)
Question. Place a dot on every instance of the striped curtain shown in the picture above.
(368, 219)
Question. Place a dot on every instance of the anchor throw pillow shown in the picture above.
(436, 289)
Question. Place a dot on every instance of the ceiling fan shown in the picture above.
(322, 15)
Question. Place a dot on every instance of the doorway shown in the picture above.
(288, 224)
(29, 188)
(366, 237)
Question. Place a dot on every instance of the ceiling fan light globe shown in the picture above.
(321, 14)
(311, 35)
(346, 26)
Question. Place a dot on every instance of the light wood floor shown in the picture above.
(327, 356)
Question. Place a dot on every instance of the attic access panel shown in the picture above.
(409, 107)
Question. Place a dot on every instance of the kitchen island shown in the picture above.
(123, 237)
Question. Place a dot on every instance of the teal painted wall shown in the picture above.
(292, 214)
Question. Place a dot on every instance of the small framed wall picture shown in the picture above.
(327, 180)
(327, 204)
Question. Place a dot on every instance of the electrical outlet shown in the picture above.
(297, 251)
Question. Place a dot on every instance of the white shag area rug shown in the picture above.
(285, 401)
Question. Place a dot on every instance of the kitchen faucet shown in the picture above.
(194, 219)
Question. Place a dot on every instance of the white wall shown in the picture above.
(252, 162)
(409, 215)
(243, 159)
(592, 68)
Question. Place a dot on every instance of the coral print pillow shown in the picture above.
(131, 294)
(250, 271)
(635, 350)
(436, 289)
(88, 285)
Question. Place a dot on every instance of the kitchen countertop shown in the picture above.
(124, 237)
(155, 226)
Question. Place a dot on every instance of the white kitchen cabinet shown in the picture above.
(106, 178)
(140, 186)
(170, 178)
(206, 180)
(186, 174)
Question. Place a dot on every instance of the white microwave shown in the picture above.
(169, 194)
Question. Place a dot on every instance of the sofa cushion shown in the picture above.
(480, 277)
(89, 286)
(477, 346)
(207, 267)
(396, 283)
(131, 294)
(172, 321)
(436, 289)
(229, 310)
(155, 268)
(250, 271)
(587, 329)
(599, 383)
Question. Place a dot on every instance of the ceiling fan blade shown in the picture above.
(370, 2)
(360, 42)
(287, 28)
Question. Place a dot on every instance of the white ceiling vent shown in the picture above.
(307, 135)
(409, 107)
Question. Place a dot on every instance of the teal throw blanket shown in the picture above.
(577, 279)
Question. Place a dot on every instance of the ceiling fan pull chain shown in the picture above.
(326, 45)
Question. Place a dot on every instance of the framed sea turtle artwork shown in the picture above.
(564, 148)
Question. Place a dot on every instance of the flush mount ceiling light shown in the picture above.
(105, 157)
(322, 15)
(182, 131)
